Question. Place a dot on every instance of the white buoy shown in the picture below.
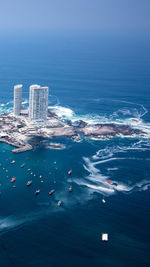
(105, 237)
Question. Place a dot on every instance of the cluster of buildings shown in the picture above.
(38, 102)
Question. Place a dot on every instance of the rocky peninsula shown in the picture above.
(18, 131)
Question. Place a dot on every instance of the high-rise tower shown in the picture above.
(17, 99)
(38, 102)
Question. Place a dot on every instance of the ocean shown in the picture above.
(98, 79)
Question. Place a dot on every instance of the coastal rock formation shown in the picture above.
(108, 130)
(19, 131)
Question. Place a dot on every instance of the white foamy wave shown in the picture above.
(109, 152)
(68, 114)
(127, 108)
(6, 107)
(6, 104)
(62, 112)
(99, 188)
(95, 181)
(112, 169)
(123, 116)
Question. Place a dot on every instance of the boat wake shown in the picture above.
(100, 176)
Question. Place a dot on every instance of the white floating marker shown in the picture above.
(105, 237)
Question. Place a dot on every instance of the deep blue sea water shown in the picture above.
(98, 79)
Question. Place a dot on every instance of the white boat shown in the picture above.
(37, 192)
(22, 166)
(12, 162)
(69, 172)
(29, 183)
(51, 192)
(59, 203)
(70, 188)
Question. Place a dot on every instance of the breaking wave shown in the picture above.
(6, 107)
(122, 112)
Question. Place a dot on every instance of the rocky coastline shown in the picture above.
(19, 131)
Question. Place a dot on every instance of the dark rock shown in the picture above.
(82, 124)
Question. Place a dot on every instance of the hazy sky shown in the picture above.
(62, 15)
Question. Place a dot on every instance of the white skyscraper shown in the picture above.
(38, 102)
(17, 99)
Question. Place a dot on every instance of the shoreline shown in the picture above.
(17, 131)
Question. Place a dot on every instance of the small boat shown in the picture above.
(109, 182)
(29, 183)
(59, 203)
(69, 172)
(37, 192)
(13, 179)
(51, 192)
(70, 188)
(40, 176)
(103, 200)
(105, 237)
(42, 181)
(29, 170)
(12, 162)
(14, 186)
(22, 166)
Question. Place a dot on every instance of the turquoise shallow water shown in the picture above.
(98, 80)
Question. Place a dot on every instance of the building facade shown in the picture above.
(17, 99)
(38, 103)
